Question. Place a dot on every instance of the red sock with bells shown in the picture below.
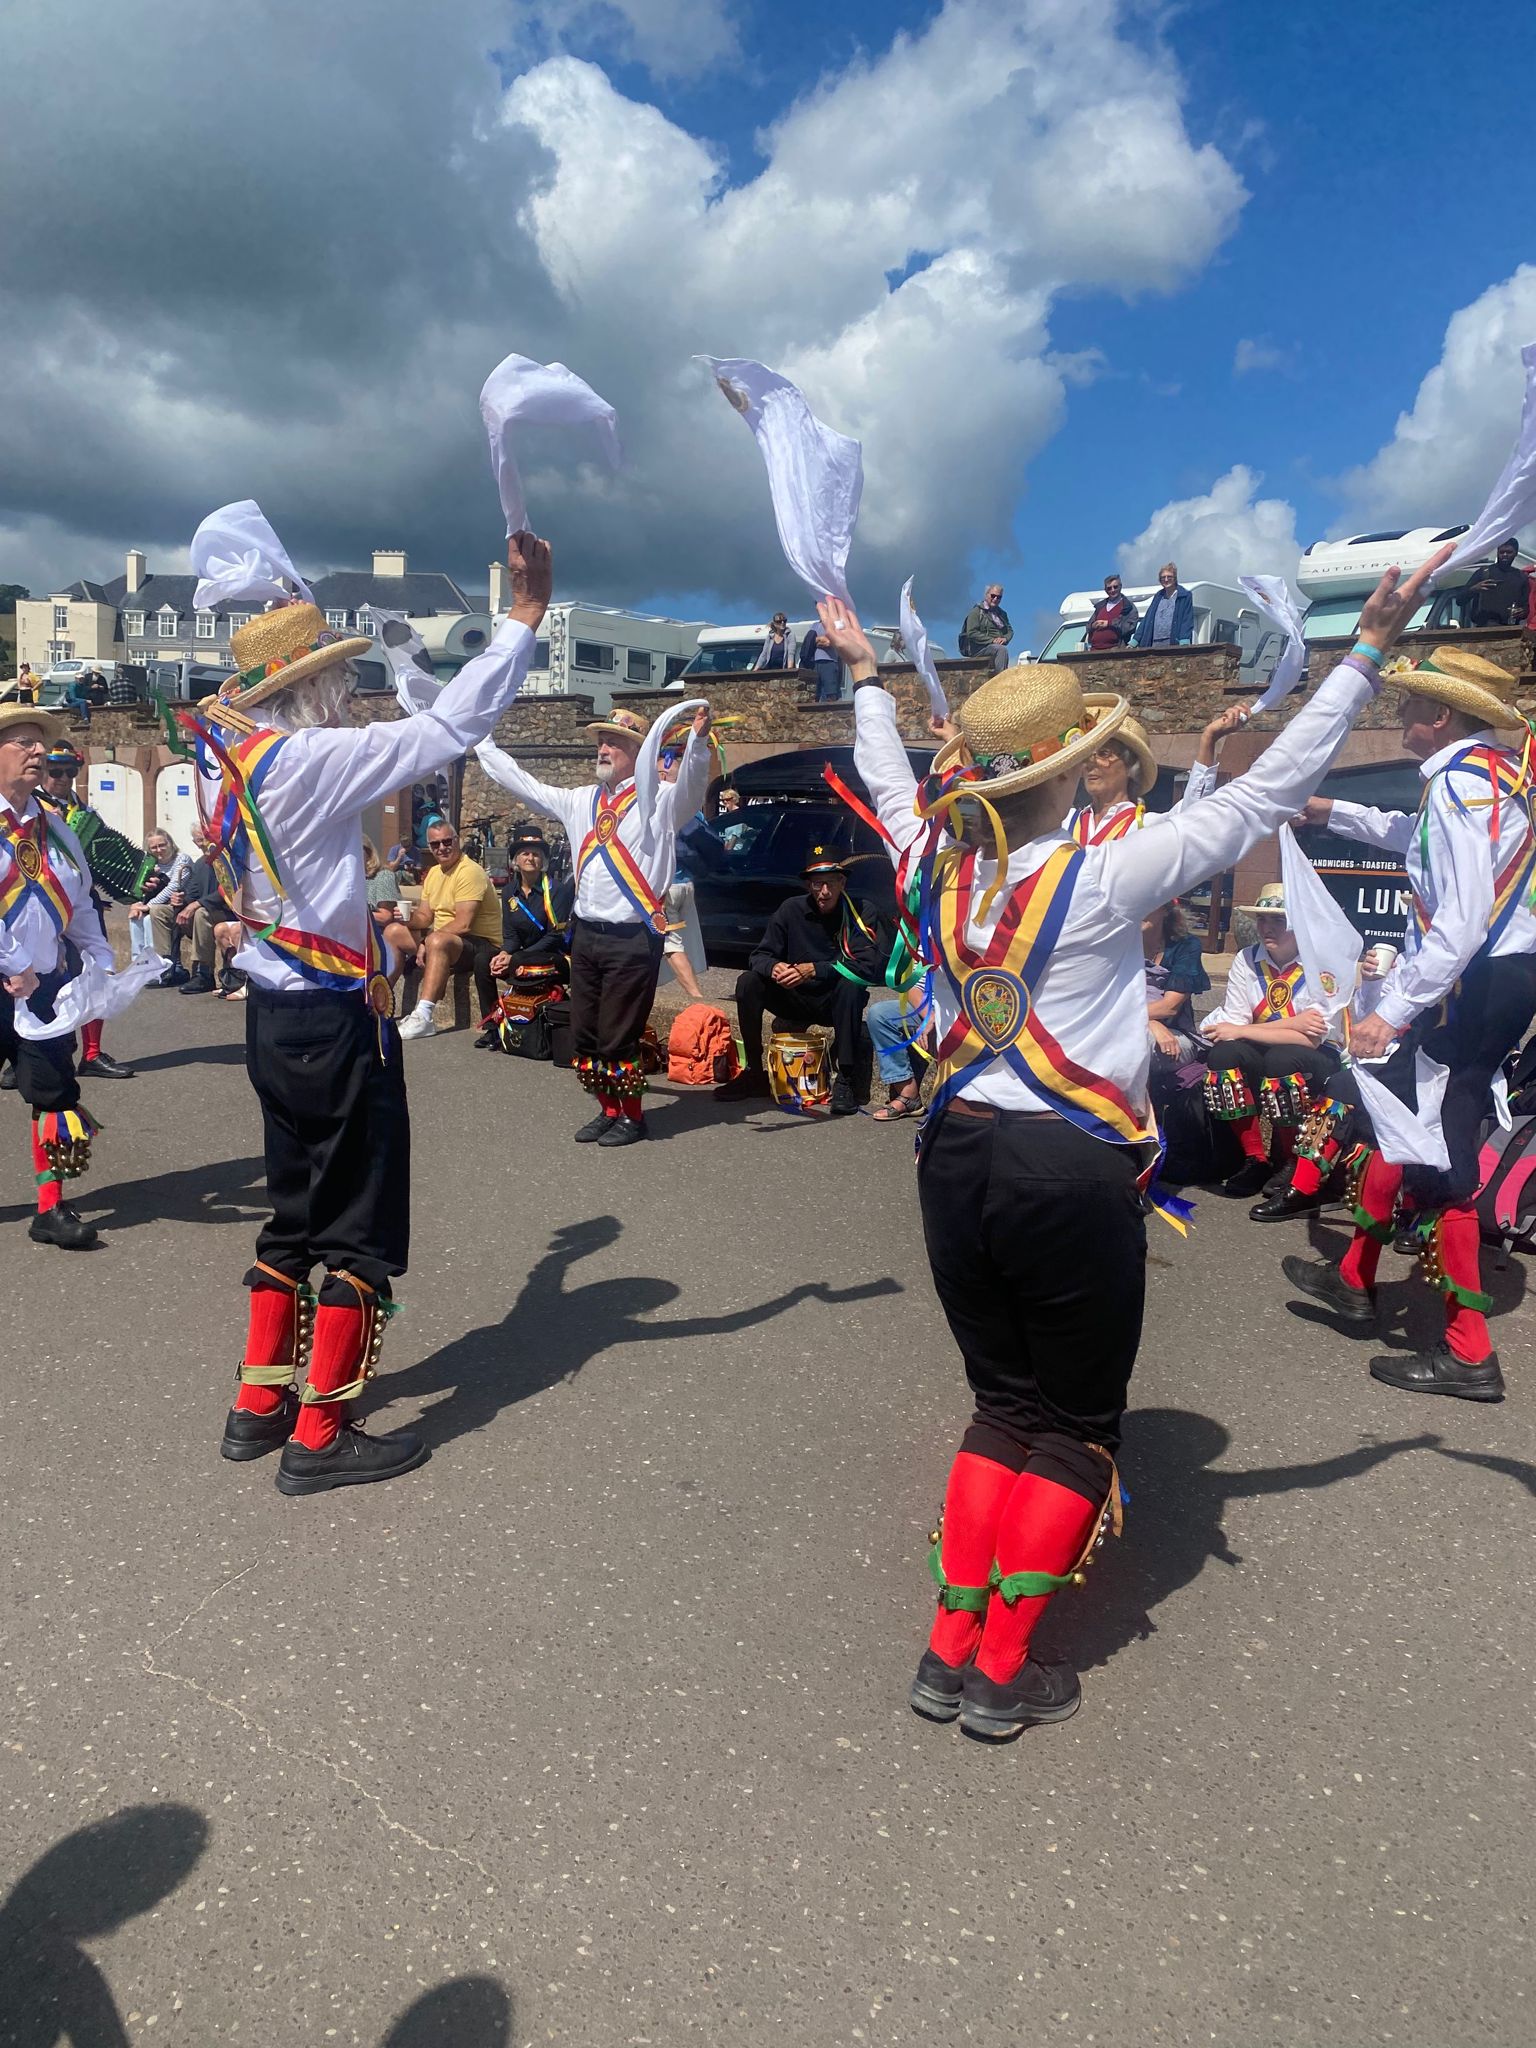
(343, 1326)
(1309, 1174)
(1466, 1331)
(607, 1101)
(1377, 1201)
(50, 1188)
(974, 1500)
(1043, 1529)
(271, 1337)
(1250, 1136)
(90, 1039)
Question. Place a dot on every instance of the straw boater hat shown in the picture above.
(622, 724)
(1271, 902)
(279, 648)
(1026, 725)
(1132, 734)
(1464, 681)
(53, 729)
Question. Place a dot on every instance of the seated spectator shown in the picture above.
(1113, 619)
(1169, 620)
(198, 917)
(1498, 594)
(96, 690)
(396, 939)
(152, 923)
(794, 971)
(778, 649)
(1175, 976)
(460, 919)
(890, 1023)
(535, 922)
(1268, 1057)
(988, 630)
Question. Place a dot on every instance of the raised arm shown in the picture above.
(677, 802)
(564, 804)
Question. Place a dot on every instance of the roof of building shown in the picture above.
(421, 593)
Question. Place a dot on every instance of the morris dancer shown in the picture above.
(45, 910)
(1270, 1063)
(623, 829)
(119, 869)
(1463, 990)
(1118, 774)
(1039, 1133)
(286, 830)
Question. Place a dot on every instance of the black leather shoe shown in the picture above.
(1326, 1284)
(1440, 1372)
(1281, 1207)
(65, 1227)
(173, 977)
(750, 1083)
(104, 1068)
(624, 1130)
(591, 1132)
(252, 1436)
(1249, 1179)
(844, 1102)
(1407, 1242)
(1039, 1692)
(355, 1459)
(8, 1075)
(937, 1687)
(490, 1037)
(198, 984)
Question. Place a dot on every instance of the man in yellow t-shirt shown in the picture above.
(461, 917)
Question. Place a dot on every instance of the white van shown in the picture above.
(728, 650)
(1223, 614)
(1339, 575)
(590, 650)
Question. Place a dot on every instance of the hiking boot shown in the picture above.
(750, 1084)
(1440, 1372)
(65, 1227)
(354, 1459)
(1038, 1692)
(247, 1435)
(1327, 1284)
(937, 1688)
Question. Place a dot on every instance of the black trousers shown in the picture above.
(45, 1067)
(1257, 1062)
(337, 1133)
(614, 969)
(838, 1002)
(1485, 1019)
(1038, 1245)
(475, 960)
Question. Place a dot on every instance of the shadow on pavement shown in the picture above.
(85, 1887)
(471, 2012)
(228, 1191)
(1173, 1524)
(191, 1056)
(1409, 1316)
(1517, 1469)
(552, 1331)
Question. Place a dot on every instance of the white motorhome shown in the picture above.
(727, 650)
(1223, 614)
(590, 650)
(1338, 576)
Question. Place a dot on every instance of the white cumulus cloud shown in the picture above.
(1229, 532)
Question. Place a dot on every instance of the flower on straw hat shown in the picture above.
(282, 647)
(622, 724)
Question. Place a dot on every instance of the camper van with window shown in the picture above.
(1339, 575)
(590, 650)
(1223, 614)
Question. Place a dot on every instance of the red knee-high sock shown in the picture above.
(607, 1101)
(50, 1189)
(1250, 1136)
(90, 1039)
(1043, 1529)
(1309, 1174)
(632, 1106)
(337, 1357)
(270, 1339)
(1373, 1222)
(974, 1500)
(1460, 1258)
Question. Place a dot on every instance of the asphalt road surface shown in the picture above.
(594, 1730)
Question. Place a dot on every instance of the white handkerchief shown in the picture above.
(547, 394)
(416, 686)
(239, 559)
(915, 634)
(815, 474)
(94, 996)
(1512, 501)
(1272, 595)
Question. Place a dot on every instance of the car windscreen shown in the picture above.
(725, 657)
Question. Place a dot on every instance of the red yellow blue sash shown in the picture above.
(603, 843)
(28, 874)
(1280, 986)
(995, 992)
(1123, 819)
(1508, 782)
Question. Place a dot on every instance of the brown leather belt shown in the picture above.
(985, 1112)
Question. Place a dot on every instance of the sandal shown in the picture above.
(898, 1109)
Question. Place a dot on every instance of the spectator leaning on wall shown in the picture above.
(1169, 620)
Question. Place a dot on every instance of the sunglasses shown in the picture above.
(442, 845)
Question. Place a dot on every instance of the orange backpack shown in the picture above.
(701, 1048)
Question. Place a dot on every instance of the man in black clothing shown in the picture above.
(535, 925)
(814, 964)
(1497, 596)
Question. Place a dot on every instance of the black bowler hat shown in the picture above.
(528, 837)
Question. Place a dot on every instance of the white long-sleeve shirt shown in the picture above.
(1092, 995)
(650, 838)
(30, 943)
(1452, 859)
(324, 778)
(1201, 782)
(1247, 991)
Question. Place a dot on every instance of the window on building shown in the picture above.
(337, 621)
(540, 654)
(676, 663)
(133, 624)
(165, 625)
(365, 623)
(589, 654)
(61, 618)
(61, 650)
(637, 667)
(207, 626)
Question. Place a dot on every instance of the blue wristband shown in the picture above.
(1371, 653)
